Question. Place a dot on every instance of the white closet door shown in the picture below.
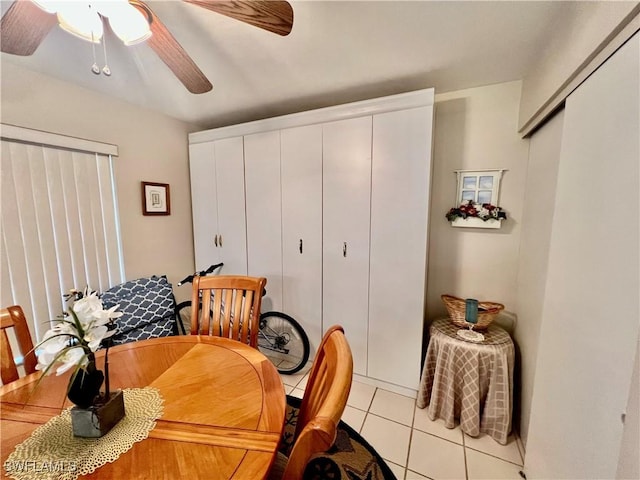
(301, 168)
(400, 179)
(346, 186)
(232, 232)
(264, 213)
(203, 203)
(589, 332)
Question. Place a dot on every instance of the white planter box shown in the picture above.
(475, 222)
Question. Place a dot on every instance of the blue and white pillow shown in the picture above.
(148, 308)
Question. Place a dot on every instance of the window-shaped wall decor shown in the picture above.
(477, 199)
(478, 186)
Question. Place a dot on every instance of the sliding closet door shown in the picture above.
(346, 191)
(588, 337)
(230, 205)
(202, 168)
(301, 169)
(533, 259)
(264, 213)
(400, 181)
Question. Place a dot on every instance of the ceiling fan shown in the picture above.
(25, 25)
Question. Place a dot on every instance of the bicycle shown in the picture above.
(280, 337)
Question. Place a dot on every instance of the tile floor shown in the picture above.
(414, 446)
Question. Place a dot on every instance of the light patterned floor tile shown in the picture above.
(422, 422)
(295, 378)
(390, 439)
(485, 467)
(434, 452)
(303, 382)
(360, 395)
(297, 392)
(414, 476)
(353, 417)
(393, 406)
(485, 444)
(397, 470)
(288, 389)
(436, 458)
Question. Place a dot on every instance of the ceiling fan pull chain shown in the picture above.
(106, 70)
(94, 68)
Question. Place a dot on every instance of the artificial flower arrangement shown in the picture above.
(484, 211)
(72, 343)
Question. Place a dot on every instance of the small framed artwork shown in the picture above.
(155, 199)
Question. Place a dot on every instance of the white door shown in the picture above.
(203, 204)
(301, 169)
(346, 187)
(264, 217)
(588, 337)
(400, 179)
(232, 233)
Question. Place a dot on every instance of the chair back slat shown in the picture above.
(247, 333)
(13, 317)
(235, 309)
(226, 316)
(203, 326)
(237, 313)
(324, 401)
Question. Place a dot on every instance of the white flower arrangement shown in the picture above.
(72, 341)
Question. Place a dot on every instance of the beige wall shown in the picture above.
(474, 129)
(573, 42)
(152, 147)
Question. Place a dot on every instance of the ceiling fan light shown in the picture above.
(49, 6)
(81, 20)
(130, 25)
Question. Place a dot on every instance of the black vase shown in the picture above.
(85, 387)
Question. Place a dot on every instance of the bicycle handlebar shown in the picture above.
(209, 270)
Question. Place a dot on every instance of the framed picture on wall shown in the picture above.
(155, 199)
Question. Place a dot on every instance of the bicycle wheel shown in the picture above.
(283, 341)
(183, 314)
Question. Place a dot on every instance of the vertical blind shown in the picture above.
(60, 228)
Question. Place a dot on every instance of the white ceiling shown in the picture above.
(337, 52)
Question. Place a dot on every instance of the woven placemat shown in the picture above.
(53, 453)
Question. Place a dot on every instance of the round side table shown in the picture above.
(469, 381)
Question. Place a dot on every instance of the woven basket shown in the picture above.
(456, 307)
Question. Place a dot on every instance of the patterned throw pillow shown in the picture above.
(148, 308)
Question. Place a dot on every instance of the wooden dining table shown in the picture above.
(223, 412)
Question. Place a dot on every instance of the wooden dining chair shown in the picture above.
(325, 398)
(227, 306)
(13, 317)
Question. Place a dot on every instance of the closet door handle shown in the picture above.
(300, 245)
(344, 249)
(220, 239)
(215, 240)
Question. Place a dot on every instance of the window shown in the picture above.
(59, 222)
(478, 186)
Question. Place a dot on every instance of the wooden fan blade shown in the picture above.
(172, 53)
(273, 15)
(23, 27)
